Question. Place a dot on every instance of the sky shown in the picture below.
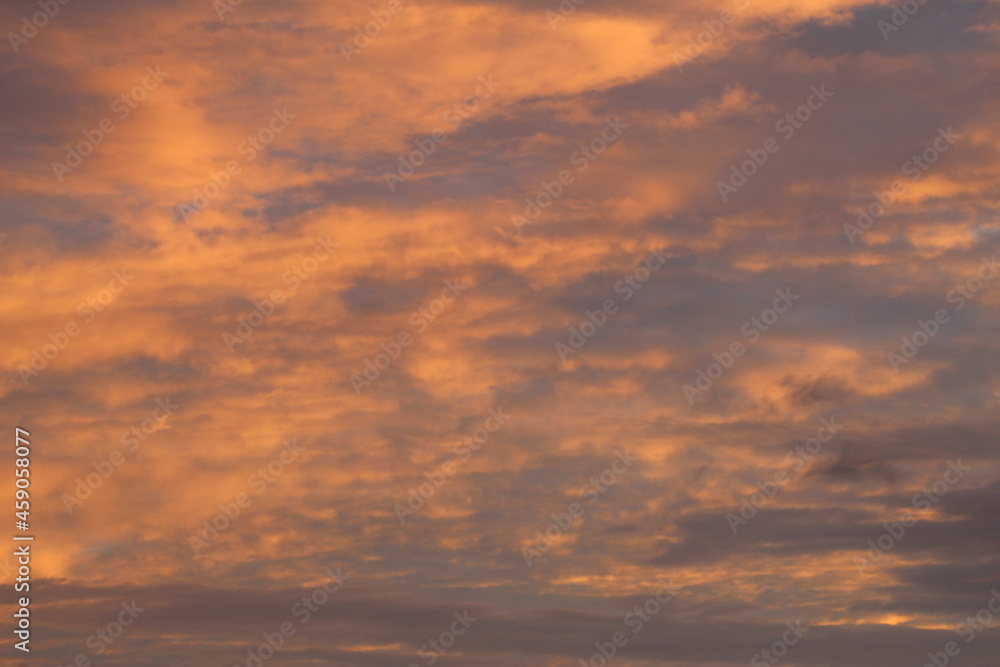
(492, 333)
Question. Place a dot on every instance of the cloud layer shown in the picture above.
(470, 257)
